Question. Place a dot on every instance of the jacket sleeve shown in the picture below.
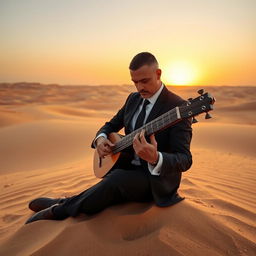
(179, 159)
(115, 124)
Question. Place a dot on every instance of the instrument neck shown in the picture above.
(154, 126)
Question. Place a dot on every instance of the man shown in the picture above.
(151, 168)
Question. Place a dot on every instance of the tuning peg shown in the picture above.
(201, 91)
(208, 116)
(190, 99)
(194, 121)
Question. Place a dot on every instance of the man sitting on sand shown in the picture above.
(151, 169)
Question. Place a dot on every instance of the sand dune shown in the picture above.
(216, 218)
(42, 144)
(228, 138)
(45, 137)
(133, 229)
(248, 106)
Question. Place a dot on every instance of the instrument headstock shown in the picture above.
(201, 104)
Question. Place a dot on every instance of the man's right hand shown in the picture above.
(103, 146)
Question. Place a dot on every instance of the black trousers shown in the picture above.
(119, 185)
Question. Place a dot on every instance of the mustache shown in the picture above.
(143, 91)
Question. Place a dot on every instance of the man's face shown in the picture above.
(147, 80)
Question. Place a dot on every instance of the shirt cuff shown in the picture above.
(156, 169)
(100, 135)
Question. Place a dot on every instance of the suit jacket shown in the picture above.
(173, 143)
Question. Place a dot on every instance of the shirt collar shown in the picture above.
(153, 98)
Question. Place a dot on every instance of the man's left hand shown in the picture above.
(146, 151)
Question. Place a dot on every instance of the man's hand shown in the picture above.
(146, 151)
(103, 146)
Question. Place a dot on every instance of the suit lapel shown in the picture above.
(133, 107)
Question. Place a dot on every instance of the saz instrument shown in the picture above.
(192, 107)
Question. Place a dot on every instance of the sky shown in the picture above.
(91, 42)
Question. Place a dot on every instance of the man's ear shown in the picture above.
(158, 73)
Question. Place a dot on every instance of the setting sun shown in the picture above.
(179, 73)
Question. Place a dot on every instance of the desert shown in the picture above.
(46, 131)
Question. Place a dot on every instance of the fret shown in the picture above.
(178, 112)
(161, 122)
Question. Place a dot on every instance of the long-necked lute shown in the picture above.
(192, 107)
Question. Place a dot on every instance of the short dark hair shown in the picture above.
(141, 59)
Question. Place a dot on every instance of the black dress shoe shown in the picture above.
(46, 214)
(42, 203)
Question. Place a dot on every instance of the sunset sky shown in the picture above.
(204, 42)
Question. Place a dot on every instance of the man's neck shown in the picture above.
(154, 97)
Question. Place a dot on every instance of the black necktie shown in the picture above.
(141, 116)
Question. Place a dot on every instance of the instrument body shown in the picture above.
(101, 166)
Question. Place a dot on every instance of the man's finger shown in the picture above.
(153, 140)
(136, 137)
(142, 137)
(136, 142)
(109, 143)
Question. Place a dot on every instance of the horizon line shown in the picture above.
(175, 85)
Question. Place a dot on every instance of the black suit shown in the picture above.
(173, 143)
(127, 182)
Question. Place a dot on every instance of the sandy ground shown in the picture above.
(45, 135)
